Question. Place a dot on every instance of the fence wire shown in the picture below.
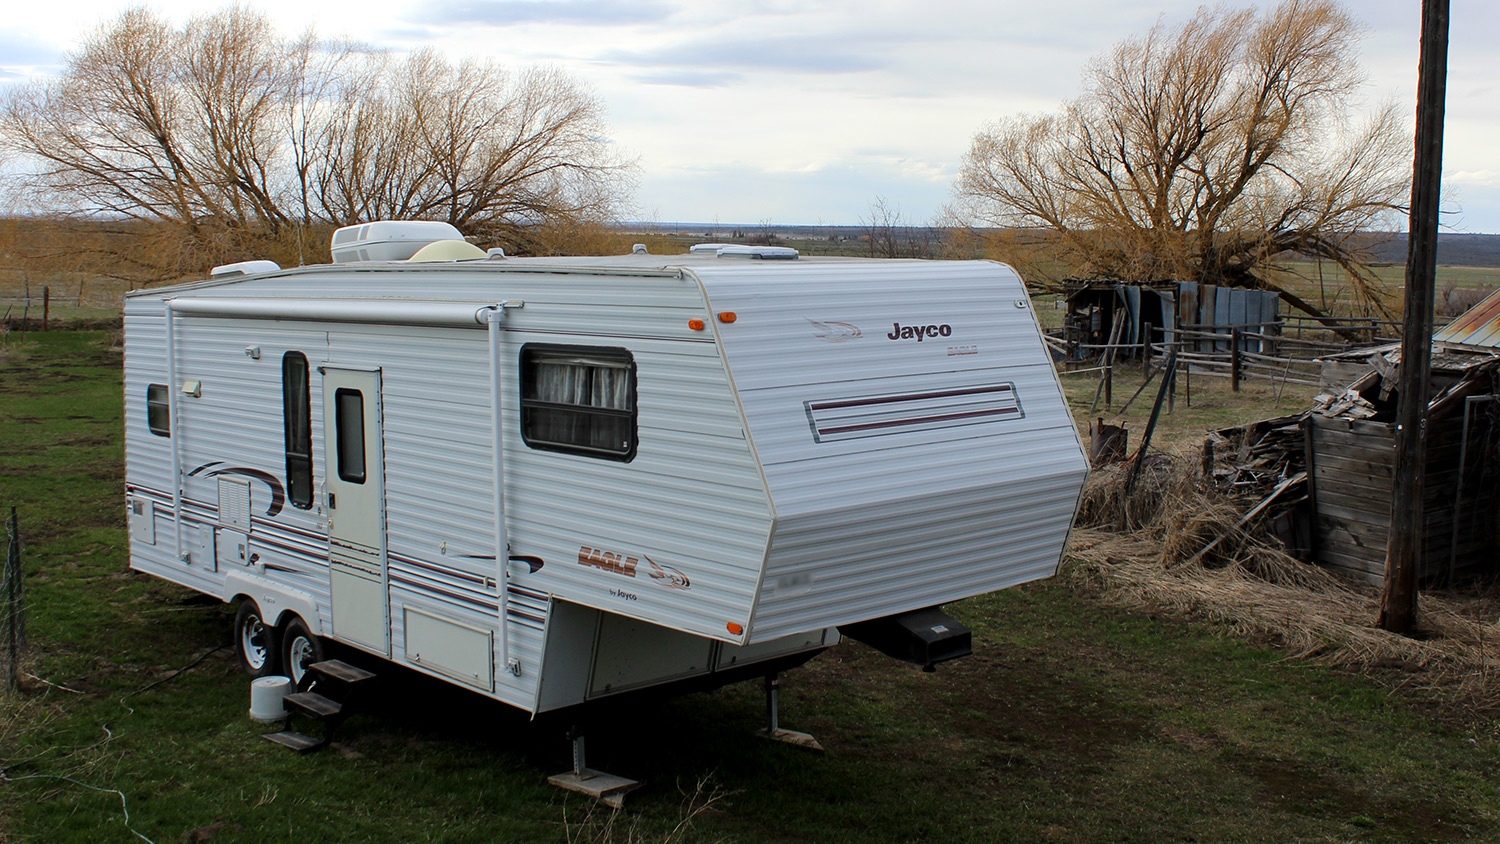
(12, 607)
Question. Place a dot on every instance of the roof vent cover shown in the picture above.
(243, 268)
(388, 240)
(762, 253)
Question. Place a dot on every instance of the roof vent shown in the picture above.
(244, 268)
(706, 247)
(763, 253)
(388, 240)
(639, 249)
(446, 250)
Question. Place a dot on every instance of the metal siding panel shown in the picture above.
(236, 424)
(692, 499)
(1207, 308)
(1222, 298)
(1478, 326)
(1132, 307)
(880, 524)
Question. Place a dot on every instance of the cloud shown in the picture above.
(690, 78)
(743, 193)
(792, 55)
(602, 13)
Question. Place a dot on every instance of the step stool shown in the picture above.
(323, 695)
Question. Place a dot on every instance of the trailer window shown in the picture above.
(579, 400)
(349, 421)
(158, 410)
(296, 416)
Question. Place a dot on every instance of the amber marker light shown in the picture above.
(734, 628)
(727, 316)
(695, 324)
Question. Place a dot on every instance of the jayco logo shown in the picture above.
(918, 332)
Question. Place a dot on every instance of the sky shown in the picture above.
(798, 113)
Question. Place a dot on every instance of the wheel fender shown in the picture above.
(276, 601)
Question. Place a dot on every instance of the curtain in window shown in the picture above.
(592, 383)
(578, 402)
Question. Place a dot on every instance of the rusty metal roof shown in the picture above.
(1477, 328)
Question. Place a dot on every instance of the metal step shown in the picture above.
(314, 704)
(341, 671)
(296, 741)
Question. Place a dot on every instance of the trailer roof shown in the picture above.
(633, 264)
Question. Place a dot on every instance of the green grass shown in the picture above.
(1073, 722)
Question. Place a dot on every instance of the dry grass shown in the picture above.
(602, 825)
(1139, 552)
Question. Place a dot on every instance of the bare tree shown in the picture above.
(230, 134)
(1203, 152)
(883, 229)
(888, 234)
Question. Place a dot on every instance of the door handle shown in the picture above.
(331, 505)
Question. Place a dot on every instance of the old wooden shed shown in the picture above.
(1165, 307)
(1350, 450)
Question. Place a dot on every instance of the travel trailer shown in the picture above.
(551, 480)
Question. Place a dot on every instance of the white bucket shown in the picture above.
(266, 694)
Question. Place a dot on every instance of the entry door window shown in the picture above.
(349, 420)
(296, 413)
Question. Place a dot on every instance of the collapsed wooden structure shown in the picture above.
(1340, 459)
(1350, 447)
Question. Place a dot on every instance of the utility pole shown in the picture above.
(1398, 601)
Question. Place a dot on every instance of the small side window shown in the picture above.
(349, 420)
(158, 410)
(579, 399)
(296, 413)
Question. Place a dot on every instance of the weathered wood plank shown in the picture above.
(1332, 465)
(1337, 540)
(1352, 497)
(1355, 562)
(1359, 426)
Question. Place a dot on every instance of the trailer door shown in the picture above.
(353, 467)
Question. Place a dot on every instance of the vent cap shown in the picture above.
(244, 268)
(762, 253)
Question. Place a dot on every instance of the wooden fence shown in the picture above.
(1261, 352)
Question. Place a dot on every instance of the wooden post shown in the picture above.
(1146, 347)
(1234, 360)
(1106, 378)
(1309, 449)
(46, 305)
(1140, 454)
(1172, 391)
(1208, 463)
(1398, 600)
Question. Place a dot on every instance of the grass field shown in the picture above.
(1074, 721)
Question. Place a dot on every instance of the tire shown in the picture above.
(255, 641)
(299, 649)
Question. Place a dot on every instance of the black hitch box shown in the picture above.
(923, 637)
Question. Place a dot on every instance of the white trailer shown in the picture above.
(551, 480)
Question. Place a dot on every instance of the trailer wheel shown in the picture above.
(300, 648)
(255, 641)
